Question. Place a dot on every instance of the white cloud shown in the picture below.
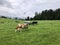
(23, 8)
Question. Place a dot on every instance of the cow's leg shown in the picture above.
(15, 30)
(18, 29)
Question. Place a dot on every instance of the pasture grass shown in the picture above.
(47, 32)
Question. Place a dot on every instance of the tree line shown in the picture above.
(44, 15)
(48, 15)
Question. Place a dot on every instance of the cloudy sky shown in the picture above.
(24, 8)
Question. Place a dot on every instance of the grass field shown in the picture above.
(47, 32)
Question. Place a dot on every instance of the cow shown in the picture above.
(34, 22)
(21, 26)
(29, 22)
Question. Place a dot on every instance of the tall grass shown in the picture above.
(45, 33)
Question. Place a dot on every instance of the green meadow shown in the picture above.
(46, 32)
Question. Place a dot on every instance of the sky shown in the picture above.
(24, 8)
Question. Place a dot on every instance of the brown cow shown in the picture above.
(21, 26)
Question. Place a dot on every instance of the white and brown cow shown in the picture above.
(21, 26)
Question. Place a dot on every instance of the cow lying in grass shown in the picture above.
(29, 22)
(21, 26)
